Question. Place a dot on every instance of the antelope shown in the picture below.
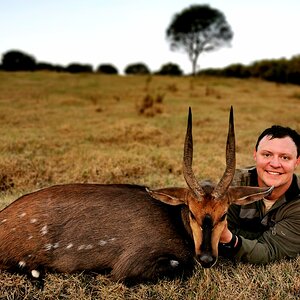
(134, 232)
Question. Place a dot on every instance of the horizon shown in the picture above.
(118, 33)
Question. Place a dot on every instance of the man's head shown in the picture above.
(277, 131)
(277, 154)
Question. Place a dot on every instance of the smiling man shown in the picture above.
(269, 229)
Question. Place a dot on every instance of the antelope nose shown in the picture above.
(206, 260)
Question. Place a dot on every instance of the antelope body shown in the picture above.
(135, 233)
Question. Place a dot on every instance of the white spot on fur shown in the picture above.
(102, 243)
(22, 215)
(22, 264)
(85, 247)
(35, 273)
(44, 230)
(174, 263)
(4, 220)
(30, 237)
(32, 221)
(69, 246)
(51, 246)
(48, 247)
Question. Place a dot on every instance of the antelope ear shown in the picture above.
(171, 196)
(242, 195)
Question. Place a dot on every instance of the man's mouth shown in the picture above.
(273, 173)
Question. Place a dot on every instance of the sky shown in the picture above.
(122, 32)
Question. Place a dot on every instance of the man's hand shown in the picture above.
(226, 235)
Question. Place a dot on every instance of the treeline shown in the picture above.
(276, 70)
(15, 60)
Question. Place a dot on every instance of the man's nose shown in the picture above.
(275, 162)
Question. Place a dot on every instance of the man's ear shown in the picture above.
(254, 154)
(242, 195)
(171, 196)
(298, 162)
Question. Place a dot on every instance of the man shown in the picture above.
(269, 229)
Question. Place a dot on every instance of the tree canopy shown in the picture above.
(107, 69)
(137, 69)
(197, 29)
(15, 60)
(170, 69)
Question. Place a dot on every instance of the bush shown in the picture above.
(44, 66)
(237, 70)
(293, 70)
(170, 69)
(150, 105)
(107, 69)
(79, 68)
(137, 69)
(15, 60)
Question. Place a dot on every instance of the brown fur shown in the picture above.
(79, 227)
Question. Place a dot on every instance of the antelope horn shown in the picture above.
(227, 177)
(188, 160)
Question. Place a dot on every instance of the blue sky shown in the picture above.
(122, 32)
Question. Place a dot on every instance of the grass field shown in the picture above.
(62, 128)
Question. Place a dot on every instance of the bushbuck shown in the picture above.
(135, 233)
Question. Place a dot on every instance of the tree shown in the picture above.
(45, 66)
(197, 29)
(15, 60)
(107, 69)
(170, 69)
(293, 70)
(79, 68)
(236, 70)
(137, 69)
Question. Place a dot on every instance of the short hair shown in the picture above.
(277, 131)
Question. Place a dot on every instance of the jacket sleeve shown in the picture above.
(234, 225)
(281, 240)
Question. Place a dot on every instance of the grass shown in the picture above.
(61, 128)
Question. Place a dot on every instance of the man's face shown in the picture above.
(276, 161)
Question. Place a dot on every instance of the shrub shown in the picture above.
(137, 69)
(79, 68)
(15, 60)
(107, 69)
(150, 105)
(170, 69)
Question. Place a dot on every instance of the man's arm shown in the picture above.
(282, 240)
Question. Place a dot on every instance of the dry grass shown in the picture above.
(59, 128)
(225, 281)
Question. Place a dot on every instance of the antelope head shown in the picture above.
(208, 203)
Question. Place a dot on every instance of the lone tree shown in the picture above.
(197, 29)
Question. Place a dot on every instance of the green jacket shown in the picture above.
(270, 236)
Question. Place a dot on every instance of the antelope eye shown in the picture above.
(223, 217)
(192, 216)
